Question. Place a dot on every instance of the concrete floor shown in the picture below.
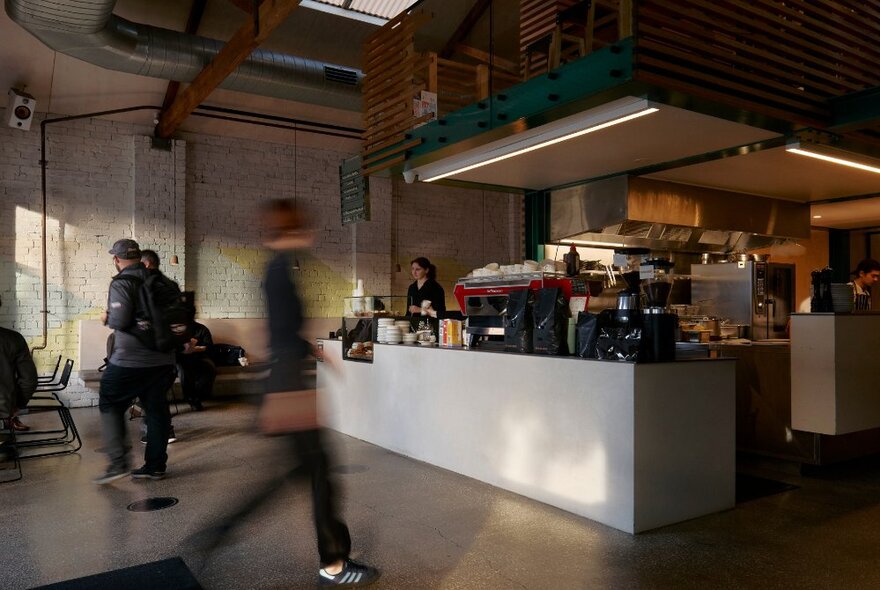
(424, 527)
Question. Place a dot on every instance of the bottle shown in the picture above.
(815, 291)
(572, 262)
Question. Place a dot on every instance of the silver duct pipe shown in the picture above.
(88, 30)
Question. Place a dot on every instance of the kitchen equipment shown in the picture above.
(484, 300)
(757, 294)
(734, 331)
(658, 335)
(628, 300)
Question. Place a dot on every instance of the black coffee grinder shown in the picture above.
(620, 329)
(658, 325)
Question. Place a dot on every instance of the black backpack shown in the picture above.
(163, 319)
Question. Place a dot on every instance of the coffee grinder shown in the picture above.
(620, 329)
(658, 325)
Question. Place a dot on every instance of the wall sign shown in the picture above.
(353, 190)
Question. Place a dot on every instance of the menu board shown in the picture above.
(353, 190)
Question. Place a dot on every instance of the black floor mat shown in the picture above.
(168, 574)
(749, 487)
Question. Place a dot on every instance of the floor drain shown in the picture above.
(151, 504)
(348, 469)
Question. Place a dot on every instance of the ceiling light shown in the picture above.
(817, 217)
(592, 120)
(835, 155)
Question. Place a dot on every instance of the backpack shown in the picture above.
(163, 321)
(226, 355)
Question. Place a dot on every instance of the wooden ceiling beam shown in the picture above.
(196, 11)
(464, 27)
(245, 5)
(271, 14)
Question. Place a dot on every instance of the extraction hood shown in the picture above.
(628, 211)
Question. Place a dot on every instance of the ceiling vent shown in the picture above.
(340, 75)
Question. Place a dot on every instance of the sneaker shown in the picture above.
(147, 473)
(171, 437)
(112, 474)
(353, 575)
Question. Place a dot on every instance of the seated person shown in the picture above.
(18, 378)
(197, 371)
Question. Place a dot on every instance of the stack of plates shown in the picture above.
(393, 335)
(382, 329)
(403, 325)
(841, 298)
(410, 338)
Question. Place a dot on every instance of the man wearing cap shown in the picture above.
(133, 370)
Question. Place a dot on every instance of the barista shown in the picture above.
(425, 288)
(867, 273)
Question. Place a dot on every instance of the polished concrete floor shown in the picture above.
(424, 527)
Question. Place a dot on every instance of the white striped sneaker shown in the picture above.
(353, 575)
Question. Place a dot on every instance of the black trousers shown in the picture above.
(196, 377)
(119, 386)
(308, 458)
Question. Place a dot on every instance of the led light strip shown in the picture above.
(841, 161)
(543, 144)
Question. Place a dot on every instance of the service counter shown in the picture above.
(633, 446)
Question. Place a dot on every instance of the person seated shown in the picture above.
(196, 370)
(18, 378)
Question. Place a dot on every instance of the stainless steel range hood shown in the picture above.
(628, 211)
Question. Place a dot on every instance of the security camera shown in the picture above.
(409, 176)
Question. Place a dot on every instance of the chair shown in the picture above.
(8, 451)
(573, 36)
(67, 435)
(53, 388)
(50, 378)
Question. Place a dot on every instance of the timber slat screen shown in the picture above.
(396, 74)
(783, 59)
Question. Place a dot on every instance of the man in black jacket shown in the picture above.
(18, 377)
(133, 370)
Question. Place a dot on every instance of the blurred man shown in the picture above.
(285, 231)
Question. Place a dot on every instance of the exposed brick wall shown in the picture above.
(199, 202)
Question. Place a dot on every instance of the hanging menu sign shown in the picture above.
(353, 192)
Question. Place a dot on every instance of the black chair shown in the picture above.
(50, 378)
(67, 435)
(53, 388)
(8, 453)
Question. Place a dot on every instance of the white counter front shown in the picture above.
(633, 446)
(834, 386)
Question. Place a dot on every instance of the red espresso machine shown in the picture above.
(483, 301)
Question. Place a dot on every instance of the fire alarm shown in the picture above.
(20, 109)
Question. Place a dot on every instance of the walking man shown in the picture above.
(133, 371)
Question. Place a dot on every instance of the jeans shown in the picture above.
(119, 386)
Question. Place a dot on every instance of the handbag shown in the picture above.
(283, 412)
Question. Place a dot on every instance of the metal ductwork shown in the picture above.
(88, 30)
(627, 211)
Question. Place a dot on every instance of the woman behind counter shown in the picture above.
(425, 288)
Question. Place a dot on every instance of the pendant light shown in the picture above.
(174, 260)
(295, 185)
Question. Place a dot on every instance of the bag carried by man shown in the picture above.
(163, 320)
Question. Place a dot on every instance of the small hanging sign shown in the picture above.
(353, 190)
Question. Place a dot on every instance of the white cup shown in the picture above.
(242, 360)
(425, 306)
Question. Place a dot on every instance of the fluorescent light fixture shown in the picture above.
(817, 217)
(592, 120)
(831, 154)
